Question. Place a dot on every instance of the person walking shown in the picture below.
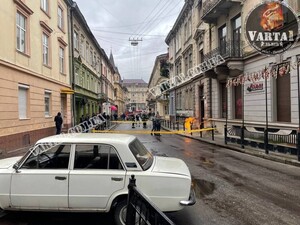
(58, 122)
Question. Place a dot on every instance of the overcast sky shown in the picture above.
(115, 22)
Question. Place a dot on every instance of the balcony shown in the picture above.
(229, 50)
(213, 9)
(233, 54)
(102, 96)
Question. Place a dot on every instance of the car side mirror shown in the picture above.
(16, 167)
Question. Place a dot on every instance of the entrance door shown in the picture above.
(63, 103)
(238, 102)
(283, 98)
(201, 109)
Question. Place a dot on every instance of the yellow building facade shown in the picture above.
(34, 71)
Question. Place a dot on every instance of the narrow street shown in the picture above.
(231, 188)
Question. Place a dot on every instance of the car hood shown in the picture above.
(6, 163)
(170, 165)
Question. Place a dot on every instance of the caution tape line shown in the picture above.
(153, 132)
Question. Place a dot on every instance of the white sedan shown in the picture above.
(90, 172)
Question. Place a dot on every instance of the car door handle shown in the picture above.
(117, 178)
(60, 178)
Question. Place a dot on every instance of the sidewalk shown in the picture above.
(219, 141)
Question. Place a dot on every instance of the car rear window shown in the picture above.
(142, 155)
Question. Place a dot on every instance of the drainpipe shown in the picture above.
(210, 86)
(71, 59)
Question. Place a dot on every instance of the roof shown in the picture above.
(128, 82)
(104, 138)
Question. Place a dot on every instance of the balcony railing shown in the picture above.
(209, 5)
(230, 49)
(212, 9)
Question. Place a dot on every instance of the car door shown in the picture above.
(97, 174)
(41, 182)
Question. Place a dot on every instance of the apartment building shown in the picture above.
(136, 95)
(186, 51)
(160, 74)
(87, 65)
(273, 101)
(119, 90)
(34, 72)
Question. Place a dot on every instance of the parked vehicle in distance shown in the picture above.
(89, 172)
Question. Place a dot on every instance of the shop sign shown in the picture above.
(255, 87)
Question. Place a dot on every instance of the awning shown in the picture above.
(67, 91)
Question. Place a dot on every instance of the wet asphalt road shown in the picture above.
(232, 188)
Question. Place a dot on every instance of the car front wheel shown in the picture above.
(2, 213)
(120, 213)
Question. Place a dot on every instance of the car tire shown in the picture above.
(120, 213)
(2, 213)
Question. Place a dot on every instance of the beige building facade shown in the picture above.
(186, 50)
(159, 103)
(136, 95)
(34, 72)
(251, 104)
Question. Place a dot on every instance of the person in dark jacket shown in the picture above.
(58, 122)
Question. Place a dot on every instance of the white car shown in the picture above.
(90, 172)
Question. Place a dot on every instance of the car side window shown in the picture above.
(96, 156)
(48, 157)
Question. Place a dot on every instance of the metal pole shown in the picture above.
(266, 140)
(243, 118)
(225, 127)
(298, 133)
(130, 214)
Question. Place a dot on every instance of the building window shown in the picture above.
(91, 56)
(76, 76)
(23, 101)
(87, 46)
(60, 18)
(81, 79)
(222, 39)
(45, 40)
(82, 49)
(88, 82)
(45, 6)
(47, 103)
(61, 60)
(76, 41)
(236, 35)
(21, 33)
(223, 100)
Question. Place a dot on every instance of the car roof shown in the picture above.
(106, 138)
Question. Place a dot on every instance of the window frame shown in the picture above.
(20, 29)
(76, 40)
(60, 17)
(46, 56)
(48, 94)
(26, 102)
(26, 12)
(45, 6)
(61, 49)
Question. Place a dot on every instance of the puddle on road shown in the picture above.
(203, 187)
(206, 162)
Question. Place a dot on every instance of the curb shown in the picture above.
(254, 152)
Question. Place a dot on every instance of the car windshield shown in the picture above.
(142, 155)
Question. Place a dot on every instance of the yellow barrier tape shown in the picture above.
(153, 132)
